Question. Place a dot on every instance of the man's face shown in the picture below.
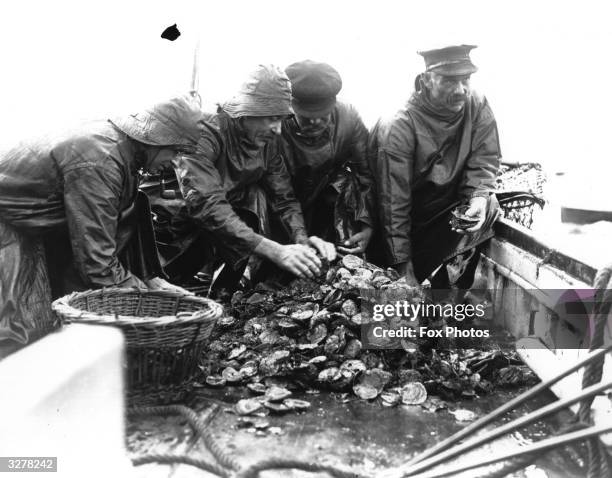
(450, 92)
(313, 126)
(159, 158)
(261, 130)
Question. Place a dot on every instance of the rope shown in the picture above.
(182, 459)
(220, 455)
(226, 464)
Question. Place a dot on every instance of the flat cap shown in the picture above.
(451, 60)
(314, 87)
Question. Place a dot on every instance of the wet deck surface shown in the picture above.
(364, 436)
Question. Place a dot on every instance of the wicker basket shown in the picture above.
(520, 188)
(165, 332)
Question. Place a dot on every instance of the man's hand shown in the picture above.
(299, 259)
(357, 243)
(477, 209)
(325, 249)
(157, 283)
(405, 269)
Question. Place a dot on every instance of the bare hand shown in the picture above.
(325, 249)
(477, 209)
(298, 259)
(157, 283)
(357, 243)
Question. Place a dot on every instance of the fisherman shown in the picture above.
(230, 187)
(324, 146)
(439, 152)
(71, 217)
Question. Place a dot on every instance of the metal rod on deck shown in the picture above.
(478, 424)
(543, 445)
(502, 430)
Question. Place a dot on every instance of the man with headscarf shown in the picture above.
(71, 217)
(440, 151)
(324, 146)
(228, 186)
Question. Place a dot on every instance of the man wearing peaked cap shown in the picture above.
(324, 146)
(71, 217)
(231, 186)
(439, 152)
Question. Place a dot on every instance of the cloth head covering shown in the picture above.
(314, 88)
(177, 122)
(450, 60)
(267, 92)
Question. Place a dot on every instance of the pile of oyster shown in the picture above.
(306, 337)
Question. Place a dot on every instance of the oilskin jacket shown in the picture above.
(85, 182)
(426, 160)
(314, 163)
(227, 172)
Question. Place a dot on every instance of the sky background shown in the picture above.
(544, 65)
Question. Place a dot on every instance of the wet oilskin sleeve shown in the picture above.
(393, 151)
(480, 173)
(92, 195)
(359, 165)
(278, 186)
(207, 204)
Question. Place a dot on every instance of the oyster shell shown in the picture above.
(231, 375)
(413, 393)
(371, 383)
(317, 334)
(352, 262)
(349, 308)
(258, 388)
(216, 381)
(276, 394)
(295, 404)
(247, 406)
(352, 349)
(237, 352)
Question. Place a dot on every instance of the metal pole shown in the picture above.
(478, 424)
(543, 445)
(499, 431)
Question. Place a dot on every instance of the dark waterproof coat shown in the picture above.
(426, 160)
(69, 206)
(229, 172)
(314, 163)
(85, 183)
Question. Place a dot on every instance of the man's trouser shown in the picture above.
(25, 295)
(37, 269)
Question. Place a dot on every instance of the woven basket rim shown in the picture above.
(63, 308)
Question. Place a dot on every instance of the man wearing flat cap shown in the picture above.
(71, 217)
(438, 152)
(324, 146)
(231, 185)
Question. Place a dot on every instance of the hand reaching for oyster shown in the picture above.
(299, 259)
(325, 249)
(357, 243)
